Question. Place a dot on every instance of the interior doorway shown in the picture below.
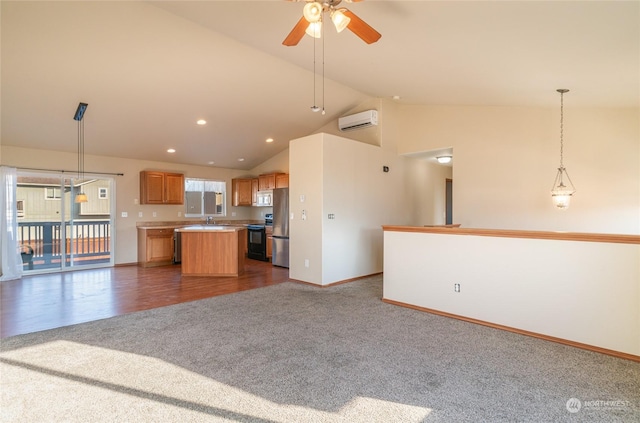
(448, 202)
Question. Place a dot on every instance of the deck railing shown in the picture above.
(86, 240)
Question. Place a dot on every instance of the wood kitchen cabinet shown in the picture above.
(272, 181)
(266, 182)
(242, 192)
(255, 183)
(155, 246)
(161, 187)
(269, 232)
(282, 180)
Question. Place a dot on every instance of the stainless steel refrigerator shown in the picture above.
(280, 246)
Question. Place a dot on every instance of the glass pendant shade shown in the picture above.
(81, 198)
(561, 192)
(563, 188)
(314, 29)
(312, 12)
(340, 20)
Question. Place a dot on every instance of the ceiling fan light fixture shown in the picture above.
(314, 29)
(340, 20)
(312, 12)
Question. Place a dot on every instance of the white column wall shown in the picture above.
(345, 178)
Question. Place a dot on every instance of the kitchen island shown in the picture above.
(213, 250)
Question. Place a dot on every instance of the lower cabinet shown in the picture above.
(155, 247)
(269, 232)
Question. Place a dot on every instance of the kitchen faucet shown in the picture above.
(210, 220)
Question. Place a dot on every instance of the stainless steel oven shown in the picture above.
(257, 242)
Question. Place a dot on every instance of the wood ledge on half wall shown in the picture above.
(512, 233)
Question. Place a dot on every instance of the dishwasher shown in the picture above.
(177, 247)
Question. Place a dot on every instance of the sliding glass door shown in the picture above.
(57, 233)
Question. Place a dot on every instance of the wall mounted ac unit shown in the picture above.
(359, 120)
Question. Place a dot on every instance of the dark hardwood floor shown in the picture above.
(39, 302)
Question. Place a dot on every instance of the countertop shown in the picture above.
(211, 228)
(182, 223)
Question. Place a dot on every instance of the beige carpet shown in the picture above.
(295, 353)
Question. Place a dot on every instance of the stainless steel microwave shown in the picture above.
(265, 198)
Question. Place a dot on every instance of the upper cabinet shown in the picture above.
(245, 190)
(266, 182)
(241, 191)
(161, 187)
(282, 180)
(272, 181)
(255, 184)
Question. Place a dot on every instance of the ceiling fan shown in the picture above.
(311, 22)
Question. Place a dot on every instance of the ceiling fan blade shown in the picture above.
(361, 28)
(296, 33)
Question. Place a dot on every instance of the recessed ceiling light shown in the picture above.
(171, 150)
(201, 122)
(396, 97)
(241, 159)
(269, 140)
(212, 162)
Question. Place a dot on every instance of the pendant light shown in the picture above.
(80, 197)
(563, 188)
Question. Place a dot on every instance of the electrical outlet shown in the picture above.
(124, 214)
(179, 214)
(155, 214)
(306, 262)
(139, 214)
(456, 287)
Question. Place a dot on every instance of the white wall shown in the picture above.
(344, 178)
(506, 159)
(587, 292)
(305, 236)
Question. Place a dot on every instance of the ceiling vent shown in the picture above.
(358, 121)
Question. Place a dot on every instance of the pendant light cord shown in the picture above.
(314, 74)
(561, 129)
(323, 72)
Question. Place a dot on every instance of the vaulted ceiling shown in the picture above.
(149, 70)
